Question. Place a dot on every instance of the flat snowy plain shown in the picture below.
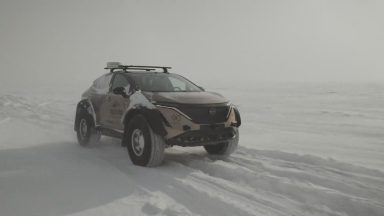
(305, 149)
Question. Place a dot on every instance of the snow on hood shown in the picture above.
(186, 97)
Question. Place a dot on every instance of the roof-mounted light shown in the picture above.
(112, 65)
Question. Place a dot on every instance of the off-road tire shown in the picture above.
(224, 149)
(86, 131)
(149, 150)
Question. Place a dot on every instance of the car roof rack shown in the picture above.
(112, 66)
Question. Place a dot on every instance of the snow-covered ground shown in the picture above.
(305, 149)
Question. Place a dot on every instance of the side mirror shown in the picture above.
(120, 91)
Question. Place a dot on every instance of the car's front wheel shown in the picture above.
(86, 132)
(145, 147)
(224, 149)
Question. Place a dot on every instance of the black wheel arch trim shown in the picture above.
(153, 116)
(84, 105)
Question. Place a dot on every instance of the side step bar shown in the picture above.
(110, 132)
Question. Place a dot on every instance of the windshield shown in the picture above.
(163, 82)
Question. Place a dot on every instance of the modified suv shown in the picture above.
(150, 109)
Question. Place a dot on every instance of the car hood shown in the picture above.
(186, 97)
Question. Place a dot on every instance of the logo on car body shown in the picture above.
(212, 111)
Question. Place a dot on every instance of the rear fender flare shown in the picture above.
(85, 105)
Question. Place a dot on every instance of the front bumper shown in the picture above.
(179, 125)
(205, 136)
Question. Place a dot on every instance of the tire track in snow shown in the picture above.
(324, 174)
(310, 192)
(234, 195)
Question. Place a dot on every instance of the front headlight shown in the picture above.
(175, 112)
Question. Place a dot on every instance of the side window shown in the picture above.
(120, 81)
(177, 84)
(101, 84)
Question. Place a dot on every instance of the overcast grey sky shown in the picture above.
(65, 44)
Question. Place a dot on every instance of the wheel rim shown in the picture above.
(137, 141)
(83, 128)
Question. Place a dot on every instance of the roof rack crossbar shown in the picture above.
(138, 67)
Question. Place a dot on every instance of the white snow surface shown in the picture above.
(304, 150)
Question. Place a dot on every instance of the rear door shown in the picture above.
(97, 93)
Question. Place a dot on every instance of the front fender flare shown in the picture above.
(153, 116)
(238, 118)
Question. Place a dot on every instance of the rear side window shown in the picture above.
(101, 84)
(120, 81)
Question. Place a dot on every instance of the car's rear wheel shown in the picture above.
(224, 149)
(145, 147)
(86, 132)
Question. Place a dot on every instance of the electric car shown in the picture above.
(151, 109)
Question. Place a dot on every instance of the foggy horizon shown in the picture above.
(62, 44)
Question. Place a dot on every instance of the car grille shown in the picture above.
(206, 114)
(206, 136)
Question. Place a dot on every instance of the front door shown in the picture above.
(115, 105)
